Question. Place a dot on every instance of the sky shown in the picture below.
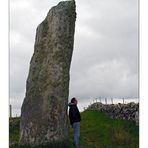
(105, 57)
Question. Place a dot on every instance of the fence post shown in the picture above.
(112, 100)
(10, 109)
(100, 99)
(96, 99)
(106, 100)
(123, 100)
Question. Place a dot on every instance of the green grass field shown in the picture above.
(98, 131)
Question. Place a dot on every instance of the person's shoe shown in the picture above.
(77, 146)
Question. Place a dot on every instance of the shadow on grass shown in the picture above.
(63, 144)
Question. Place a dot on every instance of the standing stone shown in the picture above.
(44, 110)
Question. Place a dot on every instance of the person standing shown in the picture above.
(75, 118)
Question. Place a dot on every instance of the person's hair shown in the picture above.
(72, 100)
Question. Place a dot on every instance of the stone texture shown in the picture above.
(128, 111)
(44, 110)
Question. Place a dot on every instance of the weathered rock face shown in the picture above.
(44, 110)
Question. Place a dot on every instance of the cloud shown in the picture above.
(105, 60)
(110, 79)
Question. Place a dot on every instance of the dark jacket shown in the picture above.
(74, 114)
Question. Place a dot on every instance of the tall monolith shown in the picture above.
(44, 110)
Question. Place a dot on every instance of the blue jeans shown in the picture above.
(76, 128)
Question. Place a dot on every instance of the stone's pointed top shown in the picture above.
(72, 2)
(64, 8)
(67, 7)
(68, 0)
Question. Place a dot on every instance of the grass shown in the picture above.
(65, 144)
(14, 125)
(99, 131)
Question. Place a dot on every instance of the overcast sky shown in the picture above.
(105, 57)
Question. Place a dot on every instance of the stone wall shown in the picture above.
(128, 111)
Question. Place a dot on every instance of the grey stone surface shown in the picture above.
(44, 110)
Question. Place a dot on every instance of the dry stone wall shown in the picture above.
(128, 111)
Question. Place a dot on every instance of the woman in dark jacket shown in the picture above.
(75, 118)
